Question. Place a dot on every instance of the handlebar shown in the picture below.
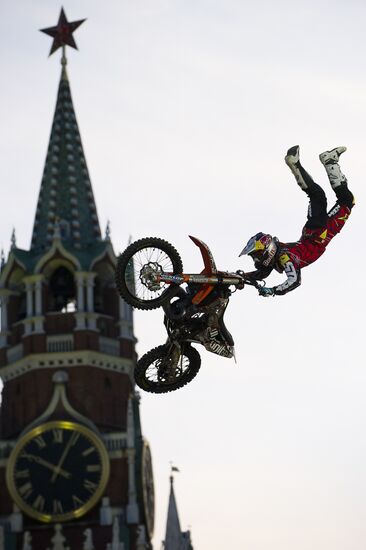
(250, 282)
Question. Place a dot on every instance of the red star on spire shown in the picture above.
(62, 33)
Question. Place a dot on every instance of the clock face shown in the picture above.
(58, 471)
(148, 488)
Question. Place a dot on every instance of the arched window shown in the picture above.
(22, 306)
(103, 281)
(98, 296)
(62, 290)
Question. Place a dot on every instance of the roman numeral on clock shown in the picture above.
(25, 490)
(77, 502)
(21, 474)
(40, 441)
(93, 468)
(38, 504)
(88, 451)
(74, 437)
(57, 436)
(90, 485)
(57, 507)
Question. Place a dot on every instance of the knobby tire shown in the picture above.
(124, 265)
(159, 353)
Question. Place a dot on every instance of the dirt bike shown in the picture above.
(149, 275)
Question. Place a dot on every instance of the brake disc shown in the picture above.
(168, 366)
(149, 274)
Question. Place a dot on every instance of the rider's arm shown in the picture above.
(293, 274)
(258, 274)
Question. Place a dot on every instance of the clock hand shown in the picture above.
(47, 464)
(62, 459)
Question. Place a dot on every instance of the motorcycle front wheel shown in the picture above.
(139, 264)
(156, 372)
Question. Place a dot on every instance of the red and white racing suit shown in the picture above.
(292, 257)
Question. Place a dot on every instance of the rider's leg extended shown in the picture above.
(317, 211)
(337, 179)
(339, 214)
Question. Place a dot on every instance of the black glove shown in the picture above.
(265, 291)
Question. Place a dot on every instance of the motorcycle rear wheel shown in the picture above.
(153, 372)
(134, 264)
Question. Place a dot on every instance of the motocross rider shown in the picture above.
(269, 253)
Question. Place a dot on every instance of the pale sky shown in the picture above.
(186, 109)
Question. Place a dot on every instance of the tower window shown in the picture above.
(63, 291)
(98, 296)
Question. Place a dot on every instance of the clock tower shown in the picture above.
(75, 470)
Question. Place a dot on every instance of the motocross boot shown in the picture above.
(292, 160)
(337, 179)
(329, 159)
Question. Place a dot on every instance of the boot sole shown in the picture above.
(292, 156)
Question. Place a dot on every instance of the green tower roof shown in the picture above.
(66, 201)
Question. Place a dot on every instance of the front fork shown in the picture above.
(174, 350)
(173, 356)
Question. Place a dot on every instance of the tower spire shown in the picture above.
(66, 193)
(174, 537)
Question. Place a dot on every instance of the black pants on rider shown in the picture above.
(317, 211)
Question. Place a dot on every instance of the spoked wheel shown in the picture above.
(138, 267)
(158, 371)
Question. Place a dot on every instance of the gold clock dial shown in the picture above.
(148, 488)
(58, 471)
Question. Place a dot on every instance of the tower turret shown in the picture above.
(175, 538)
